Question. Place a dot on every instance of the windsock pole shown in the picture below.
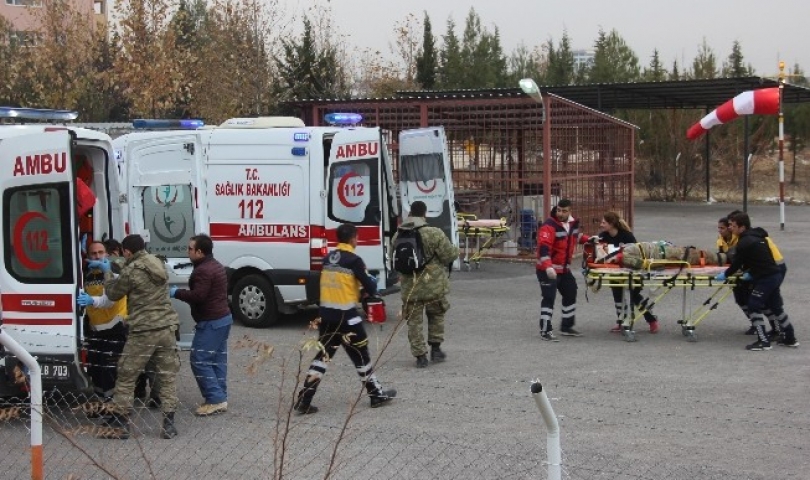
(781, 148)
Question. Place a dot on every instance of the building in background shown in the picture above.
(583, 59)
(22, 15)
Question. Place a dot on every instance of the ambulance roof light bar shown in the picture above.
(38, 114)
(343, 119)
(164, 124)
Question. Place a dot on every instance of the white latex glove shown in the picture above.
(551, 274)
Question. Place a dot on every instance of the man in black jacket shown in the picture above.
(208, 297)
(755, 258)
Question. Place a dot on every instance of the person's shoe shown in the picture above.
(752, 330)
(116, 428)
(436, 354)
(421, 361)
(168, 431)
(617, 328)
(153, 403)
(653, 326)
(788, 343)
(302, 409)
(758, 346)
(549, 337)
(570, 332)
(773, 335)
(207, 409)
(382, 398)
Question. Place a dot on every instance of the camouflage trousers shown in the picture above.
(435, 310)
(160, 346)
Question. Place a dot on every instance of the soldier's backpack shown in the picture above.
(409, 254)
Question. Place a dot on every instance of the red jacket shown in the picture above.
(555, 246)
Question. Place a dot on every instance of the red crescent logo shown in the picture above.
(24, 259)
(342, 186)
(426, 189)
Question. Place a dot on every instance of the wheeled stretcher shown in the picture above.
(660, 277)
(470, 227)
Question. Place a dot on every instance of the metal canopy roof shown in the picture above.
(607, 97)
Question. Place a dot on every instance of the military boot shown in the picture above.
(168, 431)
(116, 427)
(436, 353)
(421, 361)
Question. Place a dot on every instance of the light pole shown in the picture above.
(531, 89)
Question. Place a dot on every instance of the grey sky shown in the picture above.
(675, 28)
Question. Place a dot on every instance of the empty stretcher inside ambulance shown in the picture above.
(659, 267)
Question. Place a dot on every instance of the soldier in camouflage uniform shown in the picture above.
(428, 289)
(153, 324)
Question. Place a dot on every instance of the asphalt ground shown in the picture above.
(658, 408)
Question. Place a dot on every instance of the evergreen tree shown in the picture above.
(451, 71)
(614, 60)
(561, 62)
(307, 70)
(656, 72)
(427, 61)
(735, 66)
(705, 64)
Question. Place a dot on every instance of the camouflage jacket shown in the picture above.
(433, 282)
(144, 282)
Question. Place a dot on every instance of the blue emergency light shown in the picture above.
(343, 118)
(156, 123)
(38, 113)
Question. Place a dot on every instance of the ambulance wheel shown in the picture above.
(254, 302)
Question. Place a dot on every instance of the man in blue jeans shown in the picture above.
(208, 297)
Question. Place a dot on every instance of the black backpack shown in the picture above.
(409, 254)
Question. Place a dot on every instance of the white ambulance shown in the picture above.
(271, 193)
(46, 171)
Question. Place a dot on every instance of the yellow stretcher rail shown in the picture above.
(470, 227)
(661, 277)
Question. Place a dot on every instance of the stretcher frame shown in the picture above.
(662, 277)
(467, 232)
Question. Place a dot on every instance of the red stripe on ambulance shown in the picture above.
(56, 322)
(37, 303)
(260, 232)
(366, 236)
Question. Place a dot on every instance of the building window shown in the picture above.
(24, 3)
(99, 7)
(24, 39)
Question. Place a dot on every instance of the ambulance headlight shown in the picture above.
(149, 123)
(343, 118)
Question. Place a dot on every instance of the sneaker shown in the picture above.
(570, 332)
(549, 337)
(758, 346)
(773, 335)
(788, 343)
(752, 330)
(653, 326)
(384, 397)
(421, 361)
(617, 328)
(207, 409)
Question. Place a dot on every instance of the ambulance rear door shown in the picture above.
(163, 172)
(41, 258)
(356, 194)
(425, 174)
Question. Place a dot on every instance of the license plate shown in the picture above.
(55, 372)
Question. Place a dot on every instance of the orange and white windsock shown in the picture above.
(764, 101)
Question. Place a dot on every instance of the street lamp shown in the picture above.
(531, 89)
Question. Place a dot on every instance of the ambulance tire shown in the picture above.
(254, 302)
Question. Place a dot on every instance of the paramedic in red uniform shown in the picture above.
(556, 241)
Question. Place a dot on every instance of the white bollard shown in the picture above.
(553, 450)
(36, 401)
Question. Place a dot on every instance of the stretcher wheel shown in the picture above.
(467, 265)
(691, 336)
(477, 265)
(629, 335)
